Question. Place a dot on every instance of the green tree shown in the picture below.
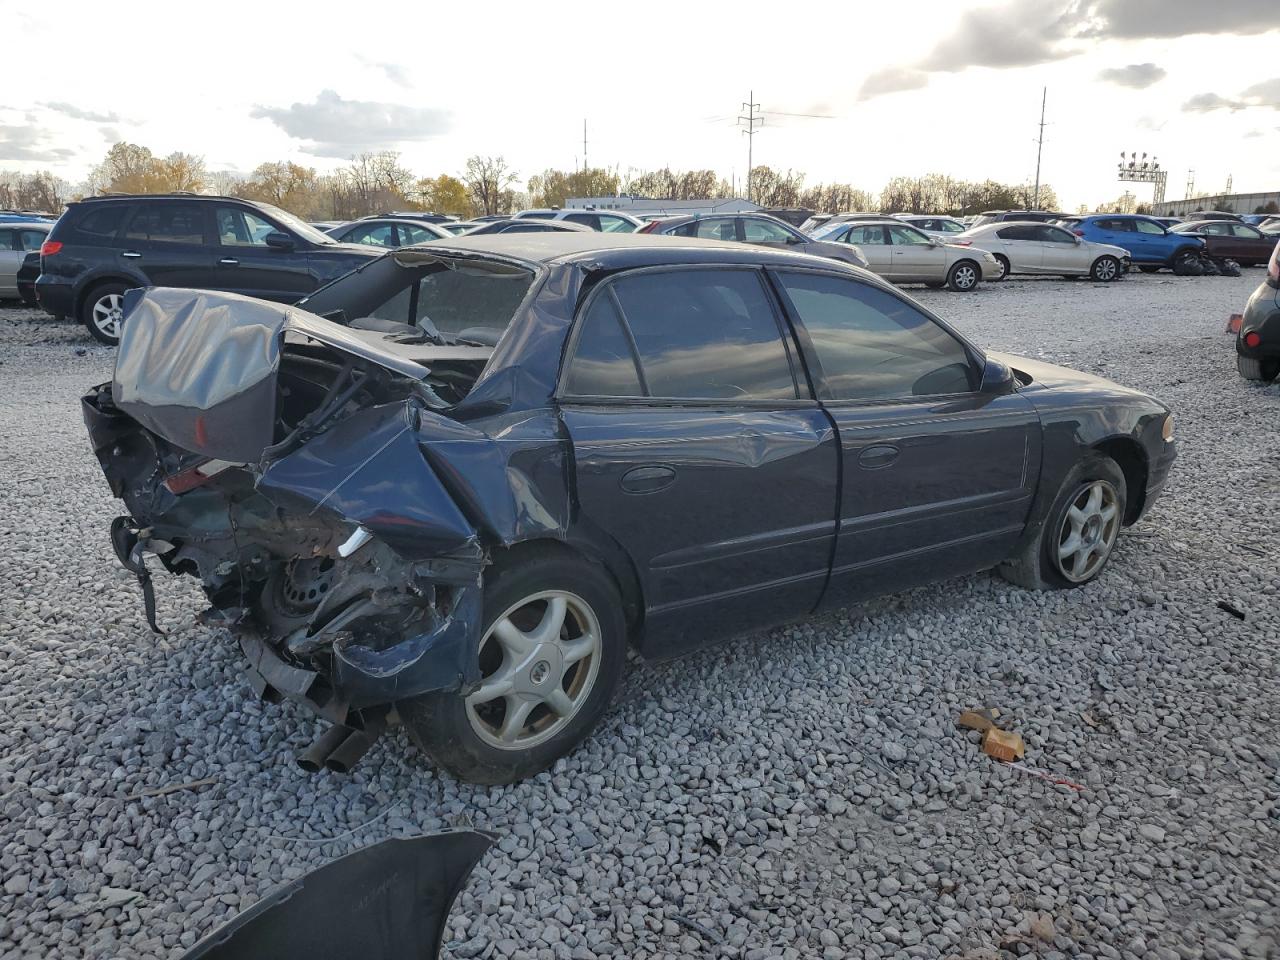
(552, 188)
(444, 194)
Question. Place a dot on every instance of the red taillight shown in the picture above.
(1252, 339)
(50, 247)
(196, 476)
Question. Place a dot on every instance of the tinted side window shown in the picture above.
(867, 236)
(717, 228)
(103, 222)
(374, 234)
(603, 364)
(30, 240)
(586, 219)
(873, 346)
(412, 233)
(1246, 231)
(1146, 226)
(1055, 235)
(615, 224)
(1020, 232)
(706, 334)
(762, 231)
(167, 223)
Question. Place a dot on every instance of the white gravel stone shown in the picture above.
(745, 787)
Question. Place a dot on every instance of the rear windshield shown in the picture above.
(459, 300)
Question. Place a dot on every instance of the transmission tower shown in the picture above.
(1191, 184)
(753, 120)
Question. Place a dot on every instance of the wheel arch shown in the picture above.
(1131, 458)
(93, 283)
(587, 546)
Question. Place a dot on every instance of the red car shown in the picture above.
(1226, 239)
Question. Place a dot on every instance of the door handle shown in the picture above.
(230, 261)
(648, 479)
(877, 456)
(131, 254)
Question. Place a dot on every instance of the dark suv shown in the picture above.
(103, 246)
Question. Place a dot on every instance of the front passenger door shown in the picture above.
(246, 265)
(699, 451)
(937, 478)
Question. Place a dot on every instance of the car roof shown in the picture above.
(175, 195)
(622, 250)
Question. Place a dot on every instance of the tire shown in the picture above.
(1148, 268)
(963, 277)
(1251, 368)
(1105, 269)
(1004, 268)
(1040, 564)
(100, 311)
(462, 734)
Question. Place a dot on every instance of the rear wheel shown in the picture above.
(1079, 531)
(1004, 268)
(963, 277)
(551, 654)
(102, 312)
(1105, 269)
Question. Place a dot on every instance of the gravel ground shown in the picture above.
(804, 793)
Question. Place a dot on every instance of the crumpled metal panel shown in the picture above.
(388, 901)
(199, 367)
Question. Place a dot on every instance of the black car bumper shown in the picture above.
(55, 299)
(1262, 320)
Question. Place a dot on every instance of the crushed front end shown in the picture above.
(314, 489)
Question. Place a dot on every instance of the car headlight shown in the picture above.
(1167, 430)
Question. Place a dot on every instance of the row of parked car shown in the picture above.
(80, 266)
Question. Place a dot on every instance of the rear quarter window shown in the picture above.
(102, 222)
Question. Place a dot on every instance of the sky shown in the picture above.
(895, 88)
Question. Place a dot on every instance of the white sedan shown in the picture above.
(1026, 247)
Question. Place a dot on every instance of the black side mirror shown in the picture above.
(279, 240)
(997, 379)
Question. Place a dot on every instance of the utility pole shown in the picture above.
(1191, 184)
(584, 143)
(753, 119)
(1228, 190)
(1044, 96)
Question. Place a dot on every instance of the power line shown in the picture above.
(752, 119)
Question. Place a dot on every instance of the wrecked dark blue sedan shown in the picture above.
(453, 487)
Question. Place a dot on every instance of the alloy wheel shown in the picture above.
(965, 277)
(539, 662)
(1088, 531)
(108, 313)
(1105, 269)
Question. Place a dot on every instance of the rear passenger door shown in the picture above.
(936, 478)
(699, 450)
(1022, 247)
(874, 244)
(168, 241)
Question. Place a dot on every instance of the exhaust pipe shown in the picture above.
(341, 746)
(313, 758)
(348, 754)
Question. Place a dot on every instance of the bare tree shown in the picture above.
(488, 178)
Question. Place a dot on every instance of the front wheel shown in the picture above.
(102, 312)
(551, 655)
(963, 276)
(1105, 269)
(1079, 530)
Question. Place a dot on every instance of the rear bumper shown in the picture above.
(1261, 316)
(56, 299)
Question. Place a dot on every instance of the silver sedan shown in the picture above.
(1041, 248)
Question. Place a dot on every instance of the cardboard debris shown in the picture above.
(983, 719)
(1003, 745)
